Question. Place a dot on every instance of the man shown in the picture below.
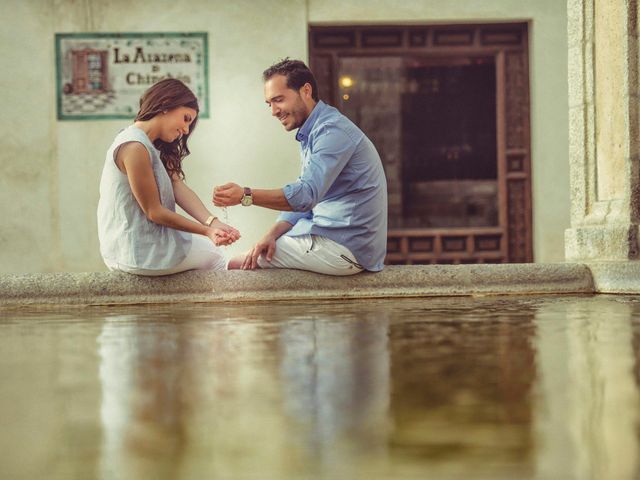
(333, 218)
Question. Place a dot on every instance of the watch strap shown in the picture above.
(247, 197)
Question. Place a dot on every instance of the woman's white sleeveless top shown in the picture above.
(126, 236)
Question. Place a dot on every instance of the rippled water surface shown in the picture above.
(458, 388)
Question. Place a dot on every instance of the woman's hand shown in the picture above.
(233, 234)
(220, 237)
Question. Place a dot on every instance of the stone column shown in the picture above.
(604, 140)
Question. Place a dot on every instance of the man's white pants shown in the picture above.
(313, 253)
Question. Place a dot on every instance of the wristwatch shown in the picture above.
(247, 197)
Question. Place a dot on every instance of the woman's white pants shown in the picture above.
(203, 255)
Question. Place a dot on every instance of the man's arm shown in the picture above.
(266, 246)
(230, 194)
(332, 151)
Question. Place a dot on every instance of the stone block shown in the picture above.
(576, 69)
(589, 80)
(575, 23)
(632, 17)
(633, 128)
(277, 285)
(601, 243)
(588, 12)
(577, 163)
(616, 277)
(577, 136)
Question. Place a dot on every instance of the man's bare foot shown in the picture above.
(236, 262)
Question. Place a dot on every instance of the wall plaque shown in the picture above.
(102, 75)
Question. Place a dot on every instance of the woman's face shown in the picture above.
(175, 123)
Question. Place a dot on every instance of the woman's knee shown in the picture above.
(217, 262)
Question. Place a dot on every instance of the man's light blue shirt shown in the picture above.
(341, 193)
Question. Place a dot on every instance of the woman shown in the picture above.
(142, 180)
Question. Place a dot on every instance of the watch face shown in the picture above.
(246, 201)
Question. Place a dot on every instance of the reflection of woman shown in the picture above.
(142, 180)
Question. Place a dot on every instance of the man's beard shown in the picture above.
(298, 114)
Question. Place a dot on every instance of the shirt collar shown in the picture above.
(305, 129)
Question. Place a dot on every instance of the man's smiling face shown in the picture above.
(286, 104)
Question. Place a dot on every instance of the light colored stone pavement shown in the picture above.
(107, 288)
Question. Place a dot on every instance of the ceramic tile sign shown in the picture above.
(102, 75)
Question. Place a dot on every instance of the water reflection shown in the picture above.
(539, 388)
(305, 393)
(335, 376)
(587, 401)
(461, 391)
(142, 409)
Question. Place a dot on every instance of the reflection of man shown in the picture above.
(333, 218)
(336, 383)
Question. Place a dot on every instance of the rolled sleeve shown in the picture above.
(298, 197)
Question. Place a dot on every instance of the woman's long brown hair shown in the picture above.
(161, 97)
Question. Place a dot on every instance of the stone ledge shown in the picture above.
(616, 277)
(108, 288)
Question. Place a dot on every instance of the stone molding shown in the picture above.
(105, 288)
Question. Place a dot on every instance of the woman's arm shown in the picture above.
(191, 203)
(134, 160)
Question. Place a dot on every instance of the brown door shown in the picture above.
(89, 71)
(80, 71)
(447, 108)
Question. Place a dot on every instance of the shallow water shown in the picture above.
(457, 388)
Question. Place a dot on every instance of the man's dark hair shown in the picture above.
(296, 73)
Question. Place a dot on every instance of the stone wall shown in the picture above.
(50, 169)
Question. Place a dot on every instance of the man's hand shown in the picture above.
(266, 246)
(227, 195)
